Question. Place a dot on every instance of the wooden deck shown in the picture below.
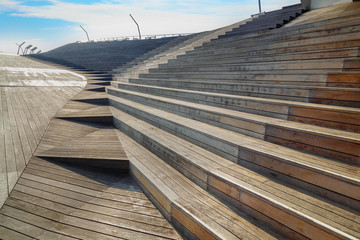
(26, 109)
(76, 185)
(59, 201)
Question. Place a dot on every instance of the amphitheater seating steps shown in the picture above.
(172, 50)
(193, 210)
(238, 184)
(268, 123)
(102, 56)
(271, 129)
(268, 20)
(344, 118)
(251, 131)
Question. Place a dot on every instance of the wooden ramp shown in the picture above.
(26, 108)
(58, 201)
(77, 185)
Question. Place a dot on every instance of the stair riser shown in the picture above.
(327, 118)
(294, 138)
(144, 184)
(241, 197)
(341, 97)
(265, 109)
(239, 154)
(302, 65)
(170, 208)
(344, 80)
(169, 82)
(276, 49)
(243, 126)
(232, 58)
(294, 76)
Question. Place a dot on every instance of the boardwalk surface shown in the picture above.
(31, 93)
(59, 201)
(75, 184)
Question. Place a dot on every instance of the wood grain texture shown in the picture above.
(77, 185)
(29, 100)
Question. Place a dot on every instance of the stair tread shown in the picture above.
(240, 83)
(184, 194)
(258, 99)
(330, 169)
(290, 199)
(316, 130)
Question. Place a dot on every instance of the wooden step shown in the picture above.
(92, 97)
(343, 118)
(84, 151)
(352, 65)
(266, 47)
(82, 111)
(327, 27)
(292, 212)
(259, 56)
(322, 141)
(323, 173)
(334, 95)
(58, 201)
(191, 209)
(275, 78)
(345, 79)
(258, 66)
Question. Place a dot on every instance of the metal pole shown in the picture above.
(86, 33)
(259, 6)
(19, 48)
(136, 25)
(27, 49)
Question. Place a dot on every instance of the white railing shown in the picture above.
(143, 37)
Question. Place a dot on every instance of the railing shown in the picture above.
(144, 37)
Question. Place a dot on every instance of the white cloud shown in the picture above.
(110, 18)
(6, 5)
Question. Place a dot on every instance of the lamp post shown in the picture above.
(33, 49)
(87, 35)
(27, 49)
(259, 6)
(19, 47)
(137, 26)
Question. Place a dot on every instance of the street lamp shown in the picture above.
(33, 49)
(19, 47)
(86, 33)
(27, 49)
(137, 26)
(259, 6)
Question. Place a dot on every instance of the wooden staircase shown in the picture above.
(254, 135)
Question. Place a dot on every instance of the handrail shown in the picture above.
(144, 37)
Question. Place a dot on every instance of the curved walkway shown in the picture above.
(76, 185)
(31, 93)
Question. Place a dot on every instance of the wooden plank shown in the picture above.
(23, 139)
(44, 223)
(198, 201)
(128, 189)
(96, 198)
(12, 174)
(4, 188)
(17, 146)
(26, 124)
(16, 226)
(134, 223)
(8, 234)
(84, 150)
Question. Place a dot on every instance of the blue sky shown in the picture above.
(50, 24)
